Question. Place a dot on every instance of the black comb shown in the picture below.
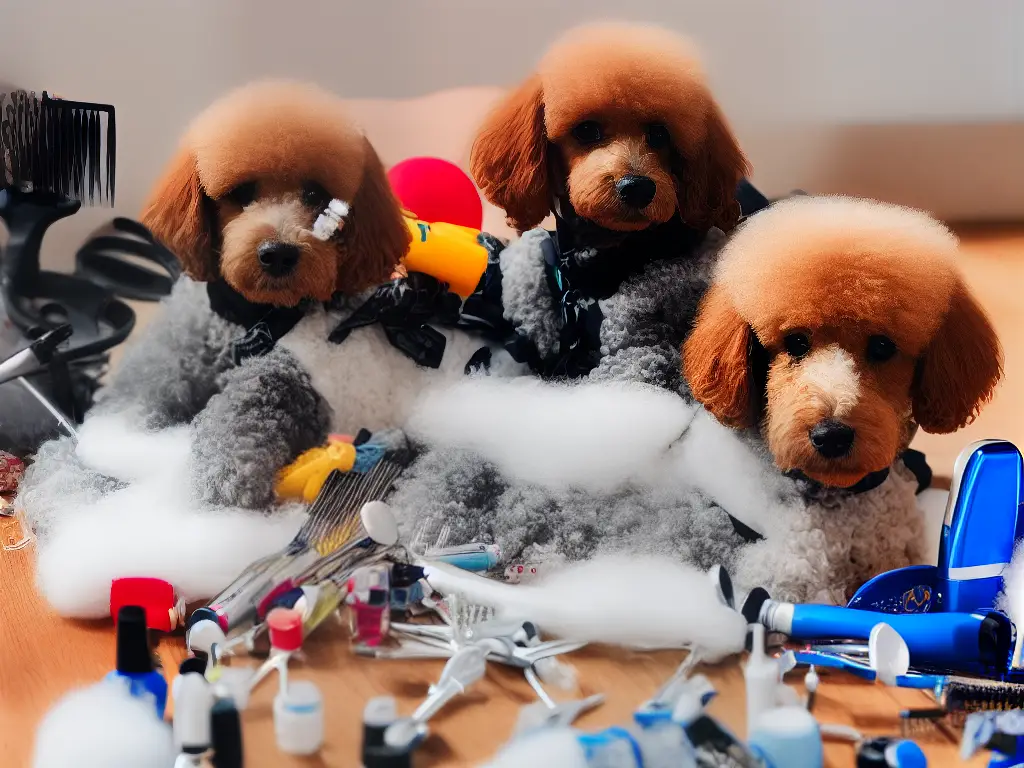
(53, 145)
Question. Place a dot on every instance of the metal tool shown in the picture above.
(464, 669)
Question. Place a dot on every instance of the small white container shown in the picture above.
(299, 719)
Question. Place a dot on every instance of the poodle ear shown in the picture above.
(509, 157)
(375, 237)
(716, 361)
(709, 181)
(174, 214)
(960, 368)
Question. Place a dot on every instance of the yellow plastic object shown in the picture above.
(303, 478)
(448, 252)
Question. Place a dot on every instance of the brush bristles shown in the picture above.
(962, 695)
(56, 146)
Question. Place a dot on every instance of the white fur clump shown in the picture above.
(151, 527)
(548, 746)
(1011, 599)
(114, 445)
(594, 437)
(713, 459)
(649, 602)
(103, 726)
(143, 530)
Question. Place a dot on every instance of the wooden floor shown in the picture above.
(42, 656)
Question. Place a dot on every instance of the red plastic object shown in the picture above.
(437, 190)
(156, 596)
(11, 470)
(285, 627)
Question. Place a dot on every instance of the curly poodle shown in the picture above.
(252, 175)
(619, 124)
(838, 326)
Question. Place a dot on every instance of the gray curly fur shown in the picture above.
(820, 548)
(250, 420)
(526, 299)
(170, 370)
(456, 489)
(247, 420)
(264, 415)
(57, 481)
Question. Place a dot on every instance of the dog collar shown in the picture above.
(912, 459)
(265, 324)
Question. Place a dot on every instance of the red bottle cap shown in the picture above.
(285, 627)
(154, 596)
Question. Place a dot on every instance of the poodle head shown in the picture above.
(837, 326)
(619, 119)
(253, 173)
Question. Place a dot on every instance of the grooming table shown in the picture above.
(45, 655)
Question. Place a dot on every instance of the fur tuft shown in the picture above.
(594, 436)
(151, 528)
(650, 602)
(113, 445)
(1011, 600)
(103, 726)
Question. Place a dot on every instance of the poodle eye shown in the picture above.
(880, 349)
(657, 136)
(587, 132)
(314, 195)
(243, 194)
(797, 344)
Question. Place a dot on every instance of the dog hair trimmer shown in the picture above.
(981, 527)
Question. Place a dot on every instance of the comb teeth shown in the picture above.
(356, 490)
(57, 146)
(915, 722)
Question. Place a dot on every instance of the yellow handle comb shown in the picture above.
(303, 478)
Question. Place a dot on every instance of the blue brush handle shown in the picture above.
(471, 561)
(946, 639)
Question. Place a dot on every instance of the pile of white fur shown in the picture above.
(658, 472)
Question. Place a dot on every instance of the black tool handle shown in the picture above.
(28, 215)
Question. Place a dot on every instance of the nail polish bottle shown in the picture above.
(226, 734)
(135, 659)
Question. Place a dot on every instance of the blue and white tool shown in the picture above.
(979, 532)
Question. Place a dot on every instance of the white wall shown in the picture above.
(917, 101)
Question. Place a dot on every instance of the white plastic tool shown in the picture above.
(761, 674)
(463, 669)
(193, 700)
(888, 653)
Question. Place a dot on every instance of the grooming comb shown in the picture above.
(963, 695)
(915, 723)
(323, 516)
(341, 531)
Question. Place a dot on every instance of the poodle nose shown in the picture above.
(277, 258)
(636, 191)
(832, 439)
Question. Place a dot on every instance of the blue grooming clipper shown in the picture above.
(981, 526)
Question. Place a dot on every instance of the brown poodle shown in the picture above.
(618, 124)
(839, 326)
(252, 175)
